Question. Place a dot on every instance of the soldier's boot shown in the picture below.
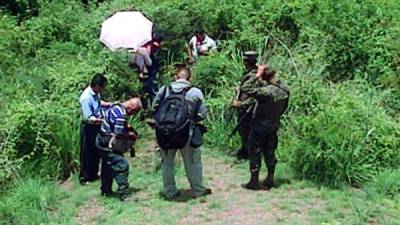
(253, 184)
(268, 182)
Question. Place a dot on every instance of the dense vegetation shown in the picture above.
(342, 126)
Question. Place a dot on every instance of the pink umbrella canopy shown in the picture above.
(126, 30)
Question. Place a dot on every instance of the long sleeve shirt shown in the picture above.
(246, 100)
(272, 99)
(115, 121)
(260, 89)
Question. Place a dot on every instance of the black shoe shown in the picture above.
(107, 194)
(252, 185)
(96, 178)
(86, 181)
(267, 184)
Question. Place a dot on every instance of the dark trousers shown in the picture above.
(263, 142)
(150, 83)
(89, 155)
(114, 166)
(244, 131)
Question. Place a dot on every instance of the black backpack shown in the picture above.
(173, 120)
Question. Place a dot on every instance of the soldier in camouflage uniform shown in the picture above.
(272, 99)
(242, 102)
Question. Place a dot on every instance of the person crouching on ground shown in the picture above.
(115, 138)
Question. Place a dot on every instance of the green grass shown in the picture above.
(293, 202)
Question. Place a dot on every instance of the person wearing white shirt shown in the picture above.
(200, 44)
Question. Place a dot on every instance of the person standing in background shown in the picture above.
(147, 63)
(199, 45)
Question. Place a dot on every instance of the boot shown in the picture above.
(124, 194)
(268, 182)
(253, 184)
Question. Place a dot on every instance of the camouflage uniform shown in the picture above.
(244, 127)
(250, 60)
(272, 101)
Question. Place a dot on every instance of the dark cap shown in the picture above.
(250, 54)
(199, 31)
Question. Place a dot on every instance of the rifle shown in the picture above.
(248, 112)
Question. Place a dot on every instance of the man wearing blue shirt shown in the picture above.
(91, 105)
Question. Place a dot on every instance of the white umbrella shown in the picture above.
(126, 30)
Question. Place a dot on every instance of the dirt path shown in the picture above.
(89, 212)
(292, 202)
(229, 203)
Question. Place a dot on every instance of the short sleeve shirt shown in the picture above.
(90, 104)
(208, 44)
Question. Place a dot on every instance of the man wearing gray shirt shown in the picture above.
(91, 105)
(191, 155)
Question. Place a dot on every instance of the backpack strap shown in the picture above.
(167, 88)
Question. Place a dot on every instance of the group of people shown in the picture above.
(145, 59)
(178, 111)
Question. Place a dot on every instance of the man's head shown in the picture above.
(183, 73)
(157, 39)
(98, 83)
(250, 59)
(200, 34)
(133, 105)
(269, 74)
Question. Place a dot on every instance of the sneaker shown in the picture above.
(125, 196)
(107, 194)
